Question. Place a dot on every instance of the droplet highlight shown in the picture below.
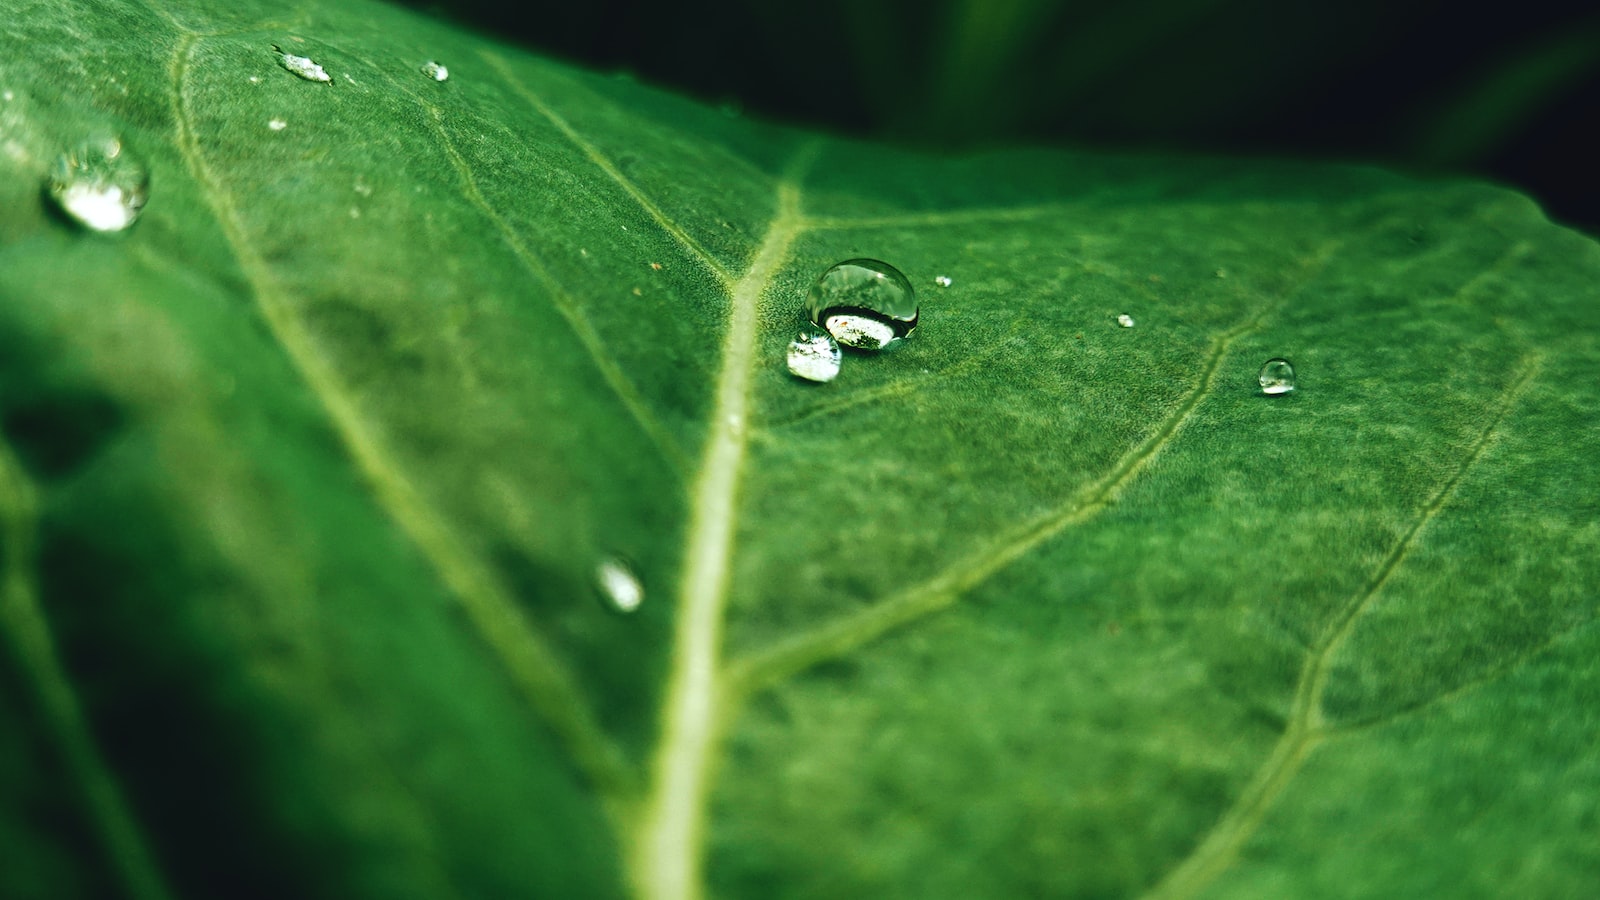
(277, 124)
(1277, 377)
(435, 71)
(943, 280)
(814, 356)
(863, 303)
(619, 587)
(1125, 320)
(99, 185)
(302, 66)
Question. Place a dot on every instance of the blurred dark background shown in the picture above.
(1509, 92)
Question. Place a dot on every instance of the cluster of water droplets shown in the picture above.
(864, 304)
(103, 187)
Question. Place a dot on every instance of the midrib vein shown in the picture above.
(1306, 728)
(667, 849)
(529, 661)
(24, 622)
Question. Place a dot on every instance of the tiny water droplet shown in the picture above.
(943, 281)
(100, 185)
(277, 124)
(814, 355)
(1125, 320)
(435, 71)
(863, 303)
(1277, 377)
(619, 587)
(362, 188)
(302, 66)
(348, 78)
(254, 80)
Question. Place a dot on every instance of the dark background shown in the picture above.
(1511, 93)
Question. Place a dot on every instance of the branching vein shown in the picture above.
(1306, 727)
(610, 168)
(667, 849)
(25, 625)
(531, 663)
(847, 633)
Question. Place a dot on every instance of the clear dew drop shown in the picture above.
(302, 66)
(1277, 377)
(435, 71)
(863, 303)
(619, 587)
(100, 185)
(943, 281)
(277, 124)
(1125, 320)
(814, 355)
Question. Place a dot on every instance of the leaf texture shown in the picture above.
(306, 477)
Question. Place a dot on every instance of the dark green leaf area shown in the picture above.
(306, 480)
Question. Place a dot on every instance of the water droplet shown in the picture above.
(435, 71)
(254, 80)
(863, 303)
(814, 355)
(619, 587)
(1125, 320)
(302, 66)
(99, 185)
(943, 281)
(1277, 377)
(277, 124)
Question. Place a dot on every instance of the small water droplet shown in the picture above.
(943, 281)
(254, 80)
(863, 303)
(1277, 377)
(814, 355)
(435, 71)
(100, 185)
(362, 188)
(277, 124)
(619, 587)
(1125, 320)
(302, 66)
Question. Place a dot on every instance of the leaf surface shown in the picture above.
(305, 480)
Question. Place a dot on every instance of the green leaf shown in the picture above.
(305, 480)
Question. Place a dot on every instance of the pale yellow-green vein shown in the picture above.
(533, 666)
(605, 164)
(26, 628)
(1306, 729)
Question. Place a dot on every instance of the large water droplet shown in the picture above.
(100, 185)
(302, 66)
(863, 303)
(619, 587)
(435, 71)
(1277, 377)
(814, 356)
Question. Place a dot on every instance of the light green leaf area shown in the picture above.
(306, 478)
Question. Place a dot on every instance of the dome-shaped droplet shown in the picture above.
(1277, 377)
(863, 303)
(619, 588)
(435, 71)
(814, 356)
(100, 185)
